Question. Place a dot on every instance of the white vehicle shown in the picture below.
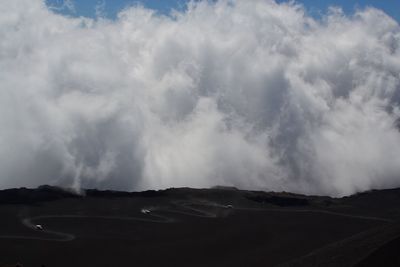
(229, 206)
(39, 227)
(145, 211)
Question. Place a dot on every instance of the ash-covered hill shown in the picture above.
(220, 226)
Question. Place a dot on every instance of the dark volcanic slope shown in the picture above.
(197, 227)
(386, 255)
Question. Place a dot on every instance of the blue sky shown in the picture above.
(112, 7)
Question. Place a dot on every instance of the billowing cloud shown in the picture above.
(252, 94)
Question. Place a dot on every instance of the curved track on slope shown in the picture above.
(63, 237)
(181, 207)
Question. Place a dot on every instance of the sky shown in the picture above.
(315, 8)
(252, 94)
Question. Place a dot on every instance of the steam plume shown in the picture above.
(253, 94)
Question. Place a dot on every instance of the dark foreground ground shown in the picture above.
(189, 227)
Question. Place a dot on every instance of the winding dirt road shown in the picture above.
(181, 207)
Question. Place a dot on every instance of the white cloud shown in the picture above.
(99, 9)
(246, 93)
(68, 5)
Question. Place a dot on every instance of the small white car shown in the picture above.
(39, 227)
(145, 211)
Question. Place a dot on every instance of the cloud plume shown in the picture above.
(252, 94)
